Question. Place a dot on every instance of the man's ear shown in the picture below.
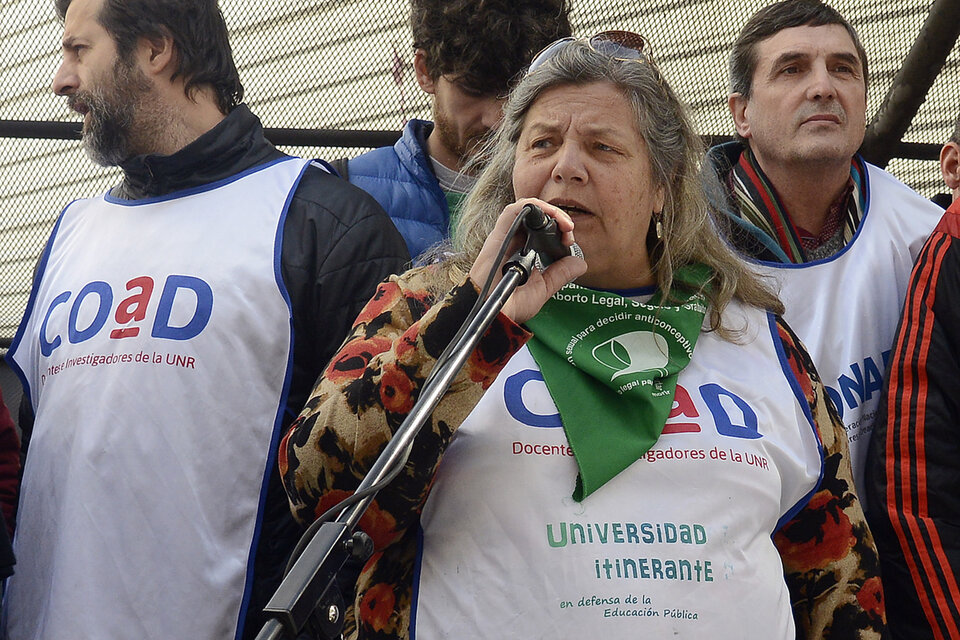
(950, 165)
(156, 54)
(426, 83)
(737, 104)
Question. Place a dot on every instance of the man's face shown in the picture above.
(106, 90)
(808, 101)
(462, 117)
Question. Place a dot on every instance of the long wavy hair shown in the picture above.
(675, 153)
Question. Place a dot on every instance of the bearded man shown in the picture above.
(466, 55)
(175, 326)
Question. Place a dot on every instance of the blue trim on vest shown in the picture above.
(323, 164)
(760, 236)
(802, 399)
(31, 302)
(278, 422)
(195, 190)
(863, 223)
(415, 595)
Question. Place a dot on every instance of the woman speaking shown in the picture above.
(649, 453)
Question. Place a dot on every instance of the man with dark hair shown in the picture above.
(467, 54)
(913, 468)
(176, 325)
(837, 234)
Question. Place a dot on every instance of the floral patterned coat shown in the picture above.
(829, 557)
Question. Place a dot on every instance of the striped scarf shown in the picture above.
(759, 204)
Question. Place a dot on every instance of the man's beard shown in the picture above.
(463, 149)
(110, 131)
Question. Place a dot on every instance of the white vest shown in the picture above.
(677, 545)
(156, 351)
(846, 308)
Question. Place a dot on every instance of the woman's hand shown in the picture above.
(525, 301)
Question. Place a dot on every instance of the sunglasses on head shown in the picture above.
(619, 45)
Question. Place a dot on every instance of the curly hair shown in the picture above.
(675, 152)
(485, 44)
(204, 55)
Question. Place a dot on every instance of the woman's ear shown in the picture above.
(659, 200)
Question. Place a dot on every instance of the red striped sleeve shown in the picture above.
(906, 491)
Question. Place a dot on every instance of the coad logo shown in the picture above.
(632, 353)
(732, 415)
(183, 311)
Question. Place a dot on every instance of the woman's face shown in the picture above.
(580, 150)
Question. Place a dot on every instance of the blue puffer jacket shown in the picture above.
(402, 181)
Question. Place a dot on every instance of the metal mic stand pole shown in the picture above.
(308, 585)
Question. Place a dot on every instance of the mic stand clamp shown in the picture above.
(309, 592)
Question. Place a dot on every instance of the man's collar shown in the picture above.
(218, 153)
(756, 199)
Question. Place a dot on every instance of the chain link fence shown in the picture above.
(348, 64)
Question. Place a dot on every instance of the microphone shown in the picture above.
(543, 237)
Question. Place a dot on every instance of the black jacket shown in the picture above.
(913, 463)
(338, 244)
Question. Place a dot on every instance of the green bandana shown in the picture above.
(625, 357)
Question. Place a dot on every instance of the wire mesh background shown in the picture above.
(347, 64)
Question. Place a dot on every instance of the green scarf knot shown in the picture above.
(611, 366)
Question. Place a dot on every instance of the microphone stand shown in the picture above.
(309, 586)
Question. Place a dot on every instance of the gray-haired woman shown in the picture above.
(657, 458)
